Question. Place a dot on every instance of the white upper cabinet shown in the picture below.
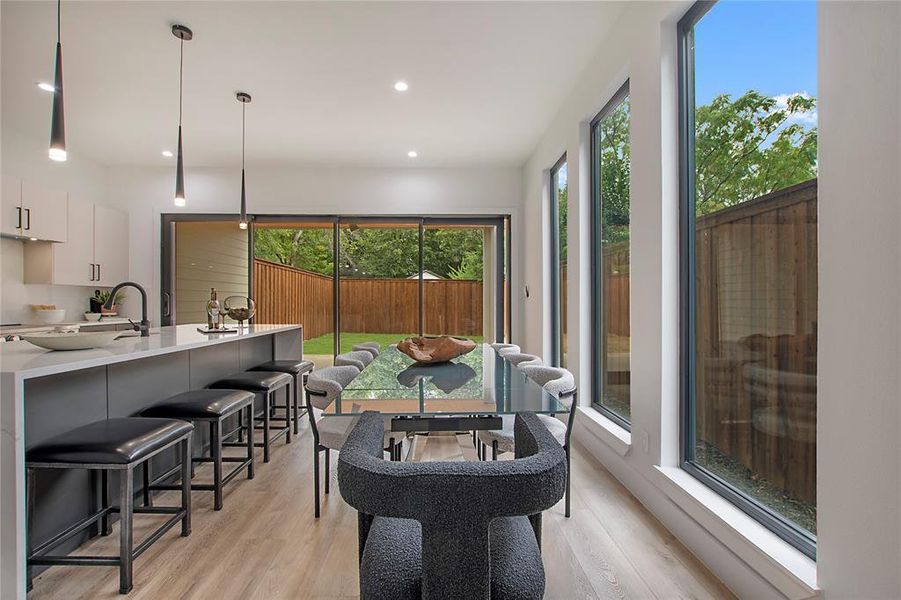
(95, 254)
(44, 212)
(11, 215)
(33, 210)
(110, 245)
(73, 262)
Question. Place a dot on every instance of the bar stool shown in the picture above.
(297, 369)
(119, 444)
(213, 407)
(268, 384)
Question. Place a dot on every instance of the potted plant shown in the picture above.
(102, 296)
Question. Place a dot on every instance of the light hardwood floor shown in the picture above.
(265, 543)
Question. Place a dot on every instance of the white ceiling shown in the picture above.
(485, 78)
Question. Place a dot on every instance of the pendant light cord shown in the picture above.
(243, 131)
(59, 10)
(181, 69)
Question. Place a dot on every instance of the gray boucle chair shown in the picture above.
(451, 529)
(374, 348)
(329, 433)
(503, 349)
(519, 359)
(561, 384)
(358, 358)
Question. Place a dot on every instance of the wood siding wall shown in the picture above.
(208, 254)
(288, 295)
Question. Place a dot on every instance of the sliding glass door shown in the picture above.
(294, 281)
(379, 298)
(394, 277)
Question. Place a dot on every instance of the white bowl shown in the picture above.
(82, 340)
(89, 316)
(49, 317)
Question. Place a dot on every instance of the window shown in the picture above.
(610, 158)
(749, 258)
(558, 262)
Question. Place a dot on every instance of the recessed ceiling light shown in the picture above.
(412, 154)
(401, 86)
(47, 87)
(167, 153)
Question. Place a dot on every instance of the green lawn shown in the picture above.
(324, 344)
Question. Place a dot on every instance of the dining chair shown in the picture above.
(374, 348)
(356, 358)
(519, 359)
(560, 383)
(435, 530)
(330, 432)
(503, 349)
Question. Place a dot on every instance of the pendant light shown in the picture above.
(185, 35)
(57, 150)
(244, 99)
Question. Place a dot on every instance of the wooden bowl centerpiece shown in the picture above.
(431, 350)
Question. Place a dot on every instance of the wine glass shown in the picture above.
(240, 308)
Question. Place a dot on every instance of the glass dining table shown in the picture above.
(468, 393)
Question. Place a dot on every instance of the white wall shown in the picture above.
(26, 157)
(860, 288)
(858, 397)
(147, 193)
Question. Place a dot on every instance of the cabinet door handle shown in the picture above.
(18, 217)
(98, 271)
(92, 272)
(27, 219)
(167, 308)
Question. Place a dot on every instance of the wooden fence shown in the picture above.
(288, 295)
(756, 286)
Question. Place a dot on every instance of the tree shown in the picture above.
(381, 252)
(750, 146)
(309, 249)
(616, 167)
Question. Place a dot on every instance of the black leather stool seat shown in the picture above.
(294, 367)
(253, 381)
(112, 441)
(201, 404)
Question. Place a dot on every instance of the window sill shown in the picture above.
(619, 439)
(784, 567)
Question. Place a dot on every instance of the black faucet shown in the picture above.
(144, 327)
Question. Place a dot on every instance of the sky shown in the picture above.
(767, 46)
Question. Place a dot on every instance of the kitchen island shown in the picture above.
(44, 393)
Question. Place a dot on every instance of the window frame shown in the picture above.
(596, 253)
(557, 324)
(796, 536)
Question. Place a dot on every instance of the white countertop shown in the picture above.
(24, 359)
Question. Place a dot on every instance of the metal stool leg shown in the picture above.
(145, 470)
(241, 426)
(296, 418)
(126, 537)
(289, 389)
(494, 450)
(106, 526)
(266, 409)
(250, 473)
(186, 486)
(216, 452)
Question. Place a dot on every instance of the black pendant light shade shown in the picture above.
(185, 35)
(244, 99)
(57, 150)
